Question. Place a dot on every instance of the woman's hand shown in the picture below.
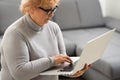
(82, 71)
(60, 59)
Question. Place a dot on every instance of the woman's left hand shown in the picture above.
(82, 71)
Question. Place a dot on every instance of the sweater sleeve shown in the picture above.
(60, 39)
(17, 58)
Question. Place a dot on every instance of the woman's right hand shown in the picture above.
(60, 59)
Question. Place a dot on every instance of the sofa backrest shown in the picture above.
(79, 14)
(67, 14)
(9, 12)
(12, 1)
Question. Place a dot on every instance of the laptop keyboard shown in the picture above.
(70, 67)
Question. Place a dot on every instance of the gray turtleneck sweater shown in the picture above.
(27, 49)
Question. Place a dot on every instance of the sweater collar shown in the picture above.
(32, 24)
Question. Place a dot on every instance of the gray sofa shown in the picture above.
(80, 21)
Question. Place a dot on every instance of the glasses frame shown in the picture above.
(49, 11)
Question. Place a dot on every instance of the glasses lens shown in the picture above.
(48, 11)
(52, 10)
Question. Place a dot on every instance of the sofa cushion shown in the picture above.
(112, 23)
(12, 1)
(70, 47)
(110, 59)
(92, 74)
(67, 15)
(81, 36)
(8, 14)
(90, 13)
(109, 65)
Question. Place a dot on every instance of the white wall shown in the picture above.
(113, 8)
(103, 4)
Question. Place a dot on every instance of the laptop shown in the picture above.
(92, 51)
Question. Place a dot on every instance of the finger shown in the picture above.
(66, 60)
(89, 65)
(78, 73)
(85, 67)
(69, 59)
(82, 71)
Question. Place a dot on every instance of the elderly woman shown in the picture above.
(33, 43)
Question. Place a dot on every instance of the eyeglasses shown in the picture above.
(49, 11)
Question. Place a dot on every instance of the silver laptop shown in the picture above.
(92, 51)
